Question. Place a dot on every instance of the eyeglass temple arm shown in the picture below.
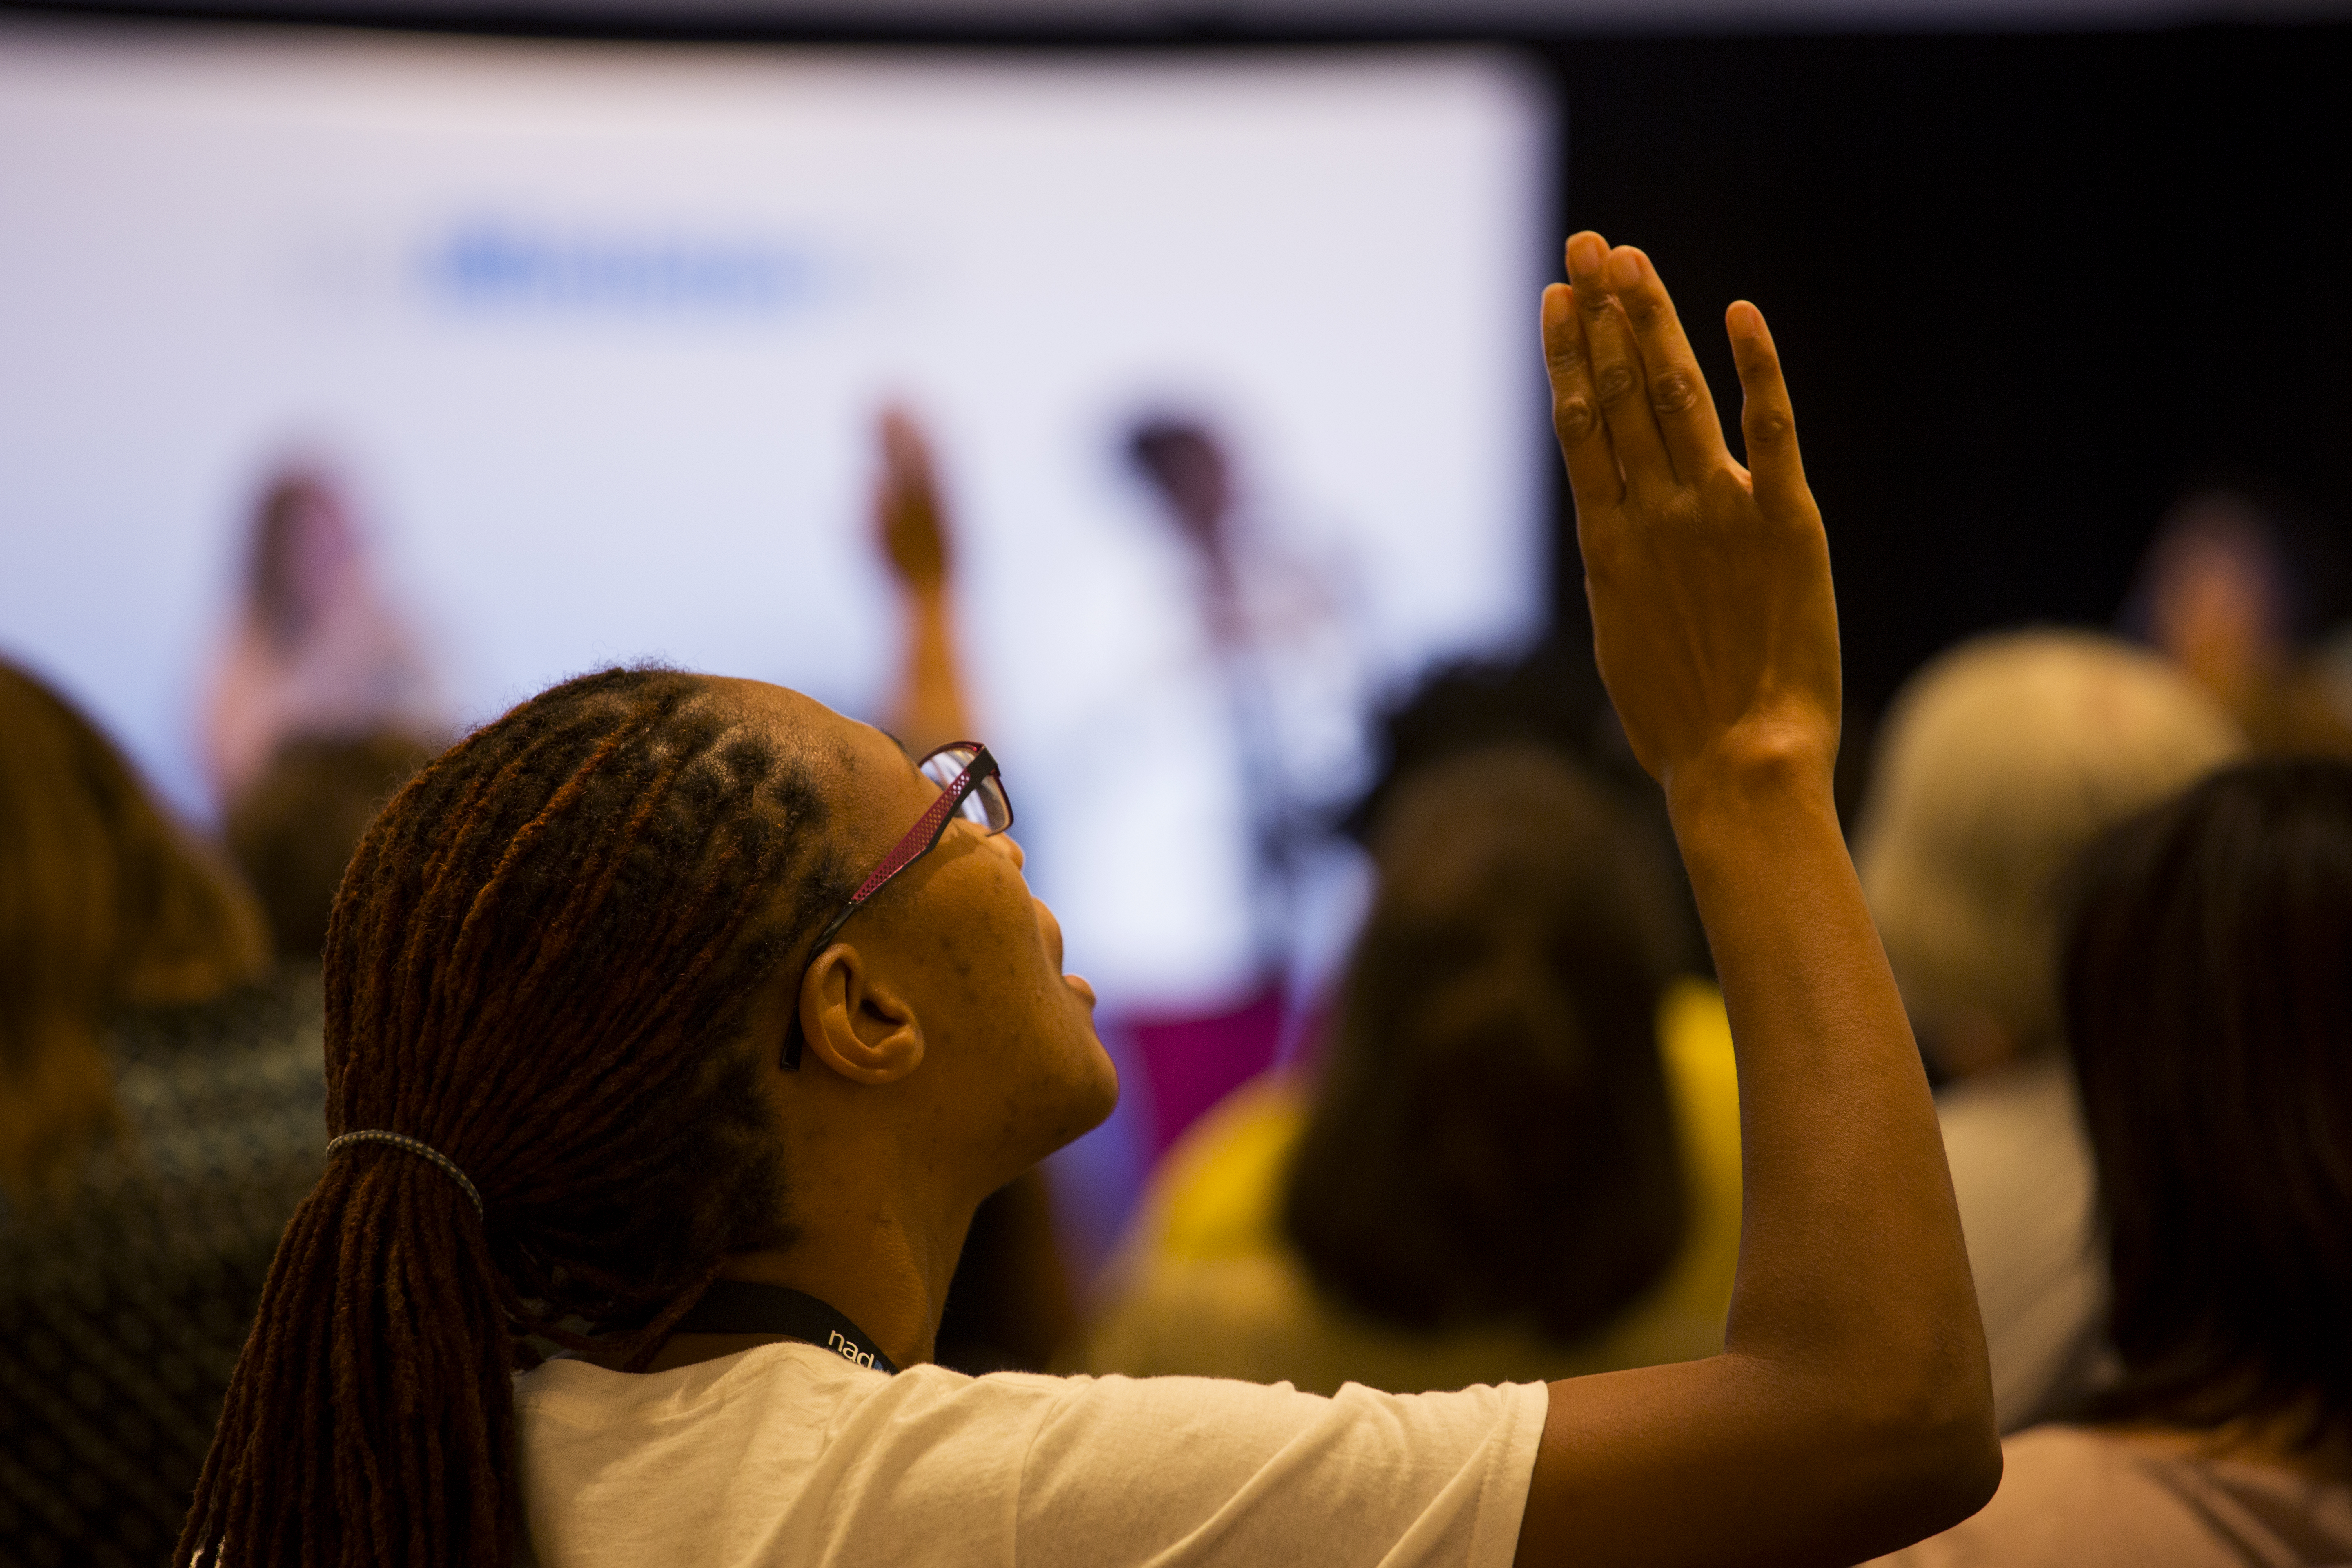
(918, 843)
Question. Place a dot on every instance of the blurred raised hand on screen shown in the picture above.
(908, 513)
(929, 708)
(1714, 622)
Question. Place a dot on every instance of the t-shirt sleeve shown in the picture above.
(1181, 1470)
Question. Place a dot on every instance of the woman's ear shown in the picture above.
(856, 1022)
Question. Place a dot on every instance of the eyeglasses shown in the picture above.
(971, 787)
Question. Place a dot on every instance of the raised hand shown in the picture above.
(1850, 1411)
(1712, 617)
(907, 511)
(929, 709)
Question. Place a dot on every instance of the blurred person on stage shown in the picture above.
(1276, 628)
(315, 647)
(1997, 763)
(1280, 639)
(161, 1115)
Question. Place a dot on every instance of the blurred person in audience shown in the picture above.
(1494, 1175)
(1550, 696)
(685, 1023)
(2218, 597)
(159, 1118)
(315, 648)
(2208, 986)
(1996, 765)
(1011, 1305)
(293, 828)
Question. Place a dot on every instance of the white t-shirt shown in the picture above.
(788, 1455)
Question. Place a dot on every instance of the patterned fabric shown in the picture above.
(122, 1308)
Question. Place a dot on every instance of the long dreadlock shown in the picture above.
(540, 963)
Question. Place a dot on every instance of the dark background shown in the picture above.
(2031, 289)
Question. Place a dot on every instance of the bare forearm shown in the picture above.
(1851, 1250)
(1850, 1411)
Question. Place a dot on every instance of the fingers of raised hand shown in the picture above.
(905, 459)
(1678, 392)
(1618, 379)
(1575, 407)
(1768, 423)
(905, 500)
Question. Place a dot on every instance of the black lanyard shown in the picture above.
(740, 1307)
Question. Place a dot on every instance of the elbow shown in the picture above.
(1953, 1468)
(1936, 1447)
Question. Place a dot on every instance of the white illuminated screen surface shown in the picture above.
(222, 250)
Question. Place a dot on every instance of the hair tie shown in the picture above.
(402, 1141)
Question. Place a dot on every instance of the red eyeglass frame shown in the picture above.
(919, 841)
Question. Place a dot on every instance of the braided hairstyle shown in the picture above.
(540, 963)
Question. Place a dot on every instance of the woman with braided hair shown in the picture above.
(683, 1024)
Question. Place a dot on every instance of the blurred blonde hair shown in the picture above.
(1998, 765)
(104, 903)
